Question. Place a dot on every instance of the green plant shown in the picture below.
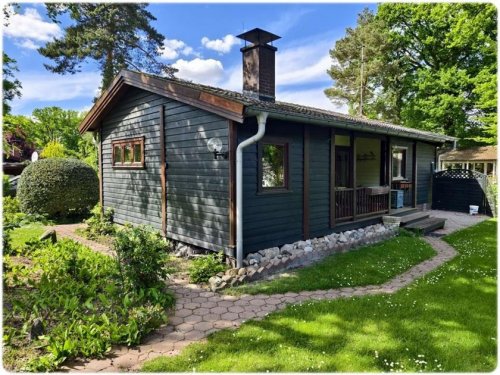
(6, 188)
(142, 254)
(204, 268)
(100, 223)
(58, 187)
(53, 149)
(79, 295)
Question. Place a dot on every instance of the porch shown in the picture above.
(373, 176)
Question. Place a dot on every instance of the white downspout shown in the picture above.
(261, 120)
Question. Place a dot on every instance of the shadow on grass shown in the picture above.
(445, 321)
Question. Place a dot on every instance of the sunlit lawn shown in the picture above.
(21, 235)
(369, 265)
(445, 321)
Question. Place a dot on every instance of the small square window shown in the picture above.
(128, 153)
(273, 165)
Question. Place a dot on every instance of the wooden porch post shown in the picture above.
(353, 164)
(233, 143)
(99, 161)
(414, 175)
(389, 171)
(332, 178)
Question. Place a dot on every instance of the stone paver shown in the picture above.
(199, 312)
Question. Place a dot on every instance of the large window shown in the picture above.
(273, 165)
(398, 164)
(128, 153)
(343, 167)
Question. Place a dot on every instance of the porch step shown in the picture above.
(427, 225)
(411, 218)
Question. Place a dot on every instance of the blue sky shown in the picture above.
(199, 41)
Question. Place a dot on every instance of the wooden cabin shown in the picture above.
(167, 155)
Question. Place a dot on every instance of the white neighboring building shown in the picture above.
(481, 159)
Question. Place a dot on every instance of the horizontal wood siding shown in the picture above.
(135, 195)
(319, 185)
(425, 156)
(197, 184)
(272, 219)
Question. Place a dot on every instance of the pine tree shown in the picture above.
(116, 36)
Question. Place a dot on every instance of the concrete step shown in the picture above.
(408, 219)
(427, 225)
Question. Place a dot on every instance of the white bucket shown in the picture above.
(473, 210)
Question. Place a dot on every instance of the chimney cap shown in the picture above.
(258, 36)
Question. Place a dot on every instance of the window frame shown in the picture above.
(122, 143)
(404, 160)
(285, 142)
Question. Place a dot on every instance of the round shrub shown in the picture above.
(58, 187)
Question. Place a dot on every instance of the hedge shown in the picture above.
(58, 187)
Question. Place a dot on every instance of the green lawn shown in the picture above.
(21, 235)
(370, 265)
(445, 321)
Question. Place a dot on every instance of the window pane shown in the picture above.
(137, 153)
(273, 166)
(479, 167)
(117, 151)
(342, 140)
(128, 154)
(398, 164)
(489, 169)
(342, 167)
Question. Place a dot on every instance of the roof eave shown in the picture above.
(349, 124)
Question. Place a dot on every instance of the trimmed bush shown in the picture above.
(58, 187)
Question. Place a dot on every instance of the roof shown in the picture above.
(236, 106)
(473, 153)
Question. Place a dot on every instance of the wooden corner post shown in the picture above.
(163, 172)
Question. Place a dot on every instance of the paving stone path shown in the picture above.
(199, 312)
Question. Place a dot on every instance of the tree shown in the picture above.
(358, 68)
(427, 66)
(53, 149)
(116, 36)
(442, 50)
(11, 85)
(17, 143)
(56, 124)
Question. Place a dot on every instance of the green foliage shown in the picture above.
(427, 66)
(11, 85)
(116, 36)
(53, 149)
(6, 188)
(87, 150)
(54, 124)
(142, 254)
(6, 242)
(203, 268)
(100, 223)
(84, 307)
(58, 187)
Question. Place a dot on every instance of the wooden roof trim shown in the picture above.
(224, 107)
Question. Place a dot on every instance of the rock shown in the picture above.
(286, 249)
(36, 328)
(308, 242)
(49, 234)
(253, 262)
(301, 244)
(242, 271)
(308, 249)
(255, 256)
(326, 239)
(342, 238)
(380, 229)
(270, 253)
(220, 274)
(245, 262)
(232, 272)
(226, 277)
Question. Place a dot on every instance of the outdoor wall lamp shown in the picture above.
(215, 145)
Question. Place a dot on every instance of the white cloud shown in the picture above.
(314, 97)
(172, 48)
(29, 27)
(47, 87)
(223, 45)
(207, 71)
(303, 64)
(287, 20)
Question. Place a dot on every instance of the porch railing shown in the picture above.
(366, 204)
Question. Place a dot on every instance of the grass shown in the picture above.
(21, 235)
(445, 321)
(370, 265)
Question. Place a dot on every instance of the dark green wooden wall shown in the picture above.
(197, 185)
(425, 156)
